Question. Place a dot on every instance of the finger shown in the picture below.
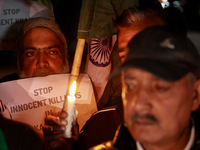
(63, 115)
(52, 120)
(58, 118)
(57, 113)
(60, 113)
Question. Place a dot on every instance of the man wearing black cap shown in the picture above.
(160, 90)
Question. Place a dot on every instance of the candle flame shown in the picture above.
(71, 97)
(72, 89)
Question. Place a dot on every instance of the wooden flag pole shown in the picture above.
(75, 67)
(69, 104)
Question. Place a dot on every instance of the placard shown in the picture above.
(31, 100)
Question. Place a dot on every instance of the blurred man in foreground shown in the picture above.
(160, 90)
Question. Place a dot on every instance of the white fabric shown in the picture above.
(98, 66)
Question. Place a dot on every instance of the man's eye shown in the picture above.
(130, 86)
(30, 53)
(162, 88)
(54, 52)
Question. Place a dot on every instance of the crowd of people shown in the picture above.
(150, 98)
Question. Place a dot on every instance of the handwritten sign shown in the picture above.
(30, 100)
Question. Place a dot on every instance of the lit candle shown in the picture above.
(70, 110)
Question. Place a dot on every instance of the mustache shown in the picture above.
(40, 72)
(146, 117)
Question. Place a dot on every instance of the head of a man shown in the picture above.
(160, 88)
(41, 49)
(132, 21)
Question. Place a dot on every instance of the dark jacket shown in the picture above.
(121, 141)
(124, 141)
(101, 127)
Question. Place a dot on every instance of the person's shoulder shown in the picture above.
(100, 118)
(122, 140)
(103, 115)
(102, 124)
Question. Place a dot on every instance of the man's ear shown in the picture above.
(196, 98)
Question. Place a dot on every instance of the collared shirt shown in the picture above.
(187, 147)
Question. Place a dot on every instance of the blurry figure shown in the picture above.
(19, 136)
(132, 21)
(111, 90)
(171, 16)
(159, 75)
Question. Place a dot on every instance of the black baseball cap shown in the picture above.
(162, 52)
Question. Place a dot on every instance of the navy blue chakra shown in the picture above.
(100, 50)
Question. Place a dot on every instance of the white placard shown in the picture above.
(30, 100)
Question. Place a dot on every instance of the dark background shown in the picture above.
(67, 16)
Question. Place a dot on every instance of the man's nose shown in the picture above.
(143, 101)
(42, 61)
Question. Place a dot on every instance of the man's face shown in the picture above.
(157, 111)
(127, 33)
(124, 36)
(42, 54)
